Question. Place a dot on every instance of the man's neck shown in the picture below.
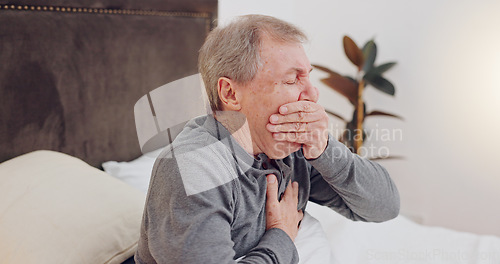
(237, 125)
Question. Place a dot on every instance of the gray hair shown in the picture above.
(232, 51)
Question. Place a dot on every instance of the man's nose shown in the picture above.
(309, 92)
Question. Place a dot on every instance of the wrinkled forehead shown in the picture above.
(281, 57)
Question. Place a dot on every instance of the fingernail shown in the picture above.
(274, 118)
(283, 109)
(271, 178)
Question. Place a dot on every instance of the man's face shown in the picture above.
(283, 77)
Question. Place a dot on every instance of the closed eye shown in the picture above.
(291, 82)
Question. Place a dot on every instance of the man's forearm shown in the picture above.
(363, 189)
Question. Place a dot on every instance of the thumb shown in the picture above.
(272, 189)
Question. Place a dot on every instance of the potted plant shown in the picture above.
(352, 88)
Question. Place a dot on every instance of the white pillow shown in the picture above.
(312, 243)
(136, 173)
(55, 208)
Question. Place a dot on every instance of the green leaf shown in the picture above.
(380, 113)
(369, 55)
(380, 83)
(352, 51)
(343, 85)
(381, 68)
(322, 68)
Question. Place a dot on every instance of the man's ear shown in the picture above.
(227, 94)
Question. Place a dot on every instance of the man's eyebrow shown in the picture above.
(299, 70)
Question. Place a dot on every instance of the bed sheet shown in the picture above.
(402, 241)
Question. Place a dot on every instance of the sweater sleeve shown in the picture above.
(189, 213)
(353, 186)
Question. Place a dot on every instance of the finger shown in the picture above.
(289, 127)
(288, 191)
(273, 215)
(299, 106)
(308, 137)
(295, 193)
(295, 188)
(304, 117)
(272, 189)
(300, 215)
(295, 137)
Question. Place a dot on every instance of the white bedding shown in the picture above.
(334, 239)
(402, 241)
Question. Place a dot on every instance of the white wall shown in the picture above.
(447, 89)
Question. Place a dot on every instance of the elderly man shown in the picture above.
(234, 185)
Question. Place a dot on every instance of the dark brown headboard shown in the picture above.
(70, 73)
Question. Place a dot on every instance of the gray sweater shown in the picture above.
(207, 196)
